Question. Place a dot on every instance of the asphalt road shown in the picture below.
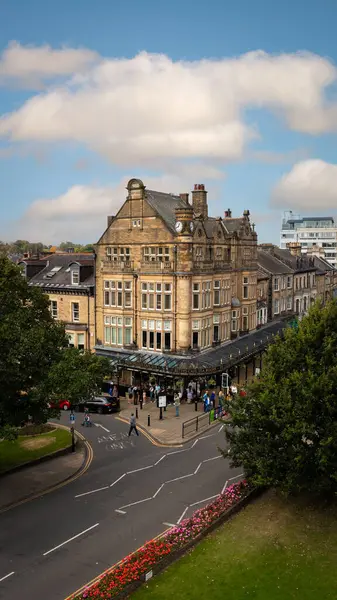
(51, 546)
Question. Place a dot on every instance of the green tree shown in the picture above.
(30, 342)
(284, 432)
(77, 376)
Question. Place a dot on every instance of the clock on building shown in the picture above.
(179, 226)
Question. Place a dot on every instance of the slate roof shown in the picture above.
(61, 279)
(261, 275)
(165, 205)
(271, 264)
(298, 263)
(234, 223)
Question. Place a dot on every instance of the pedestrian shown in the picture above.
(144, 396)
(177, 403)
(189, 395)
(213, 399)
(206, 401)
(151, 393)
(133, 425)
(221, 399)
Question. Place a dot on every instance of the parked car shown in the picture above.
(61, 404)
(99, 405)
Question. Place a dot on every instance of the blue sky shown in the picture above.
(253, 147)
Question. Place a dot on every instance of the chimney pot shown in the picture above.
(184, 197)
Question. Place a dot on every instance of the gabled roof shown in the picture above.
(298, 263)
(165, 205)
(234, 223)
(268, 262)
(261, 275)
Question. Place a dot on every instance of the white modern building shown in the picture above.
(320, 232)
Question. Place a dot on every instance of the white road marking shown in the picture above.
(170, 524)
(236, 477)
(178, 451)
(204, 500)
(134, 503)
(105, 429)
(70, 539)
(182, 516)
(194, 443)
(224, 487)
(213, 458)
(117, 480)
(6, 576)
(92, 491)
(158, 461)
(158, 490)
(197, 469)
(121, 512)
(221, 428)
(204, 437)
(137, 470)
(178, 478)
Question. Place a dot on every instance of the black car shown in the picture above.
(99, 405)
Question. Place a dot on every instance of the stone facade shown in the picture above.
(68, 279)
(169, 278)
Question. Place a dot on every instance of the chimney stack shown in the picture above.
(184, 197)
(294, 248)
(199, 200)
(228, 213)
(246, 213)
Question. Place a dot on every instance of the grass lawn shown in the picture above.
(28, 448)
(275, 549)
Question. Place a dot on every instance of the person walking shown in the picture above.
(133, 425)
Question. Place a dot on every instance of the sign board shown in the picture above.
(234, 389)
(148, 575)
(257, 371)
(224, 381)
(162, 401)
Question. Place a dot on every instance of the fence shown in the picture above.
(201, 421)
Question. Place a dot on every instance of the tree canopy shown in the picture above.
(284, 432)
(36, 364)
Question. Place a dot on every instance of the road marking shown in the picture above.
(137, 470)
(178, 478)
(224, 487)
(77, 475)
(204, 437)
(92, 491)
(170, 524)
(158, 461)
(158, 490)
(178, 451)
(204, 500)
(197, 469)
(6, 576)
(182, 516)
(134, 503)
(117, 480)
(99, 425)
(121, 512)
(236, 477)
(221, 428)
(70, 539)
(194, 443)
(213, 458)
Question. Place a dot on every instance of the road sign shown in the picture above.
(162, 401)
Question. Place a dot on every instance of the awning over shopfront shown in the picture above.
(212, 361)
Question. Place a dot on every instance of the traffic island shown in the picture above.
(124, 578)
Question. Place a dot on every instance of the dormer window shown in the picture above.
(75, 277)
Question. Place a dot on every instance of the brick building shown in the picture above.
(170, 278)
(69, 281)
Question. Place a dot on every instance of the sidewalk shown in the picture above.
(169, 430)
(34, 481)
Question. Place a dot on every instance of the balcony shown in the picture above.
(116, 266)
(156, 266)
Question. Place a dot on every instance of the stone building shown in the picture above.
(172, 279)
(262, 295)
(69, 281)
(280, 282)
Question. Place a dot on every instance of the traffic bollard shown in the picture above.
(196, 405)
(136, 413)
(148, 420)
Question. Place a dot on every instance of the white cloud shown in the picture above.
(29, 66)
(80, 213)
(149, 109)
(310, 185)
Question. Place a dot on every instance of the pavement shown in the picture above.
(40, 478)
(167, 431)
(133, 491)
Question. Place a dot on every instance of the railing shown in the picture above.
(156, 266)
(117, 265)
(203, 265)
(196, 424)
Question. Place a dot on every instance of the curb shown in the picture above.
(158, 442)
(88, 457)
(42, 459)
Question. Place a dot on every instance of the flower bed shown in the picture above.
(153, 554)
